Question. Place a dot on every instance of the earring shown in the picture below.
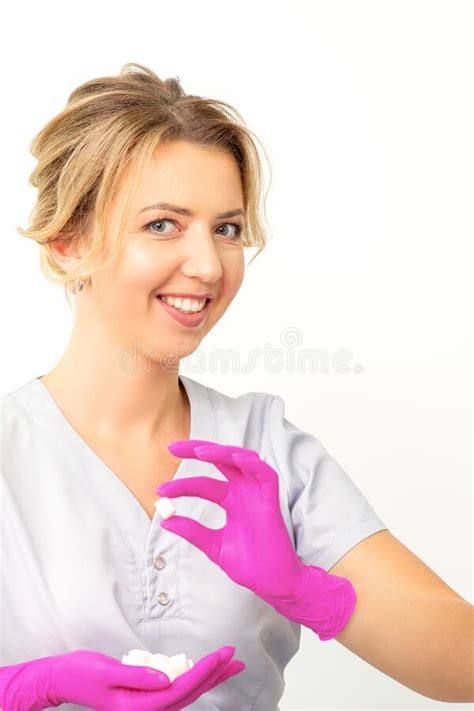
(79, 285)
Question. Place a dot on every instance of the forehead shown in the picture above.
(190, 175)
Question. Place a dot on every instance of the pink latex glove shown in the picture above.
(254, 547)
(103, 683)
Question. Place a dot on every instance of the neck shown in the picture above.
(115, 397)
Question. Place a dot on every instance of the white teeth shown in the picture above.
(187, 305)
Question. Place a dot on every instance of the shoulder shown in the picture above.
(19, 431)
(246, 405)
(16, 408)
(257, 420)
(11, 402)
(261, 411)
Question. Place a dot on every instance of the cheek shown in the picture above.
(234, 273)
(139, 270)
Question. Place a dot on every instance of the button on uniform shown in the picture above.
(159, 562)
(163, 598)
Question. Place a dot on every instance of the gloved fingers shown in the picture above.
(203, 486)
(221, 456)
(218, 677)
(135, 677)
(255, 467)
(184, 448)
(234, 667)
(213, 452)
(210, 666)
(208, 540)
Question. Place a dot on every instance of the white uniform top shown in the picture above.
(83, 567)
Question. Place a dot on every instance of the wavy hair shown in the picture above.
(112, 125)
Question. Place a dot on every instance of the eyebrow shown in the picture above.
(185, 211)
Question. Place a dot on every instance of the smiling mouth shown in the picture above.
(195, 310)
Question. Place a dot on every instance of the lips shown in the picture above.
(186, 319)
(199, 297)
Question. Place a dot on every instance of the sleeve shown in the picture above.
(329, 513)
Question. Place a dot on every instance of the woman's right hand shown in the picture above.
(103, 683)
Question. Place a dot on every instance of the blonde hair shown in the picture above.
(111, 125)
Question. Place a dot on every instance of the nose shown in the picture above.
(202, 258)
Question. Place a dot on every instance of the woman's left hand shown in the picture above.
(254, 547)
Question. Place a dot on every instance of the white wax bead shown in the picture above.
(148, 660)
(164, 507)
(160, 665)
(172, 672)
(137, 655)
(172, 666)
(168, 668)
(160, 658)
(179, 661)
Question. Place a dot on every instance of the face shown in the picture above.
(167, 252)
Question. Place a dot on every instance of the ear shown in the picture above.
(65, 251)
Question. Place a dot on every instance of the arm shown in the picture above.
(404, 606)
(407, 622)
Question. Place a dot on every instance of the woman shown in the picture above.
(147, 198)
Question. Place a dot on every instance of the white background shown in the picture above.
(365, 110)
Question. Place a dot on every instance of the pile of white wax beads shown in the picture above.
(165, 507)
(172, 666)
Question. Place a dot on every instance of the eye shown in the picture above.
(156, 222)
(238, 228)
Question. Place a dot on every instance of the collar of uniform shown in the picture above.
(115, 499)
